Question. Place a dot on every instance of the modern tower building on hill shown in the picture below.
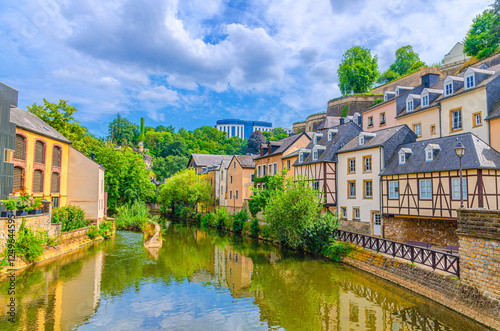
(241, 128)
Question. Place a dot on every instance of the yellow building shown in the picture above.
(240, 178)
(40, 158)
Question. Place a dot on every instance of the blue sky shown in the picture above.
(190, 63)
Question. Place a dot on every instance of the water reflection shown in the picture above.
(202, 281)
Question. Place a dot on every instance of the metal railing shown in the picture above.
(428, 257)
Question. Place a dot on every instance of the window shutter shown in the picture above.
(39, 152)
(19, 151)
(18, 179)
(37, 181)
(56, 156)
(54, 183)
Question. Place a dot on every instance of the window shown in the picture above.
(367, 163)
(351, 165)
(264, 170)
(236, 194)
(393, 190)
(234, 165)
(425, 100)
(39, 152)
(18, 179)
(301, 157)
(343, 212)
(376, 219)
(417, 128)
(456, 119)
(469, 81)
(330, 135)
(9, 156)
(20, 149)
(275, 168)
(402, 158)
(426, 189)
(258, 171)
(367, 189)
(370, 121)
(55, 183)
(409, 105)
(429, 155)
(315, 155)
(55, 202)
(231, 179)
(382, 118)
(38, 181)
(433, 129)
(477, 119)
(270, 169)
(288, 164)
(351, 188)
(455, 188)
(448, 89)
(251, 178)
(230, 194)
(355, 213)
(316, 185)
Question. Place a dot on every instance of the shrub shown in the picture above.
(93, 232)
(71, 217)
(336, 250)
(239, 220)
(318, 234)
(132, 217)
(29, 244)
(105, 229)
(223, 219)
(266, 231)
(254, 228)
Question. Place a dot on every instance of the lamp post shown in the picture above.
(460, 150)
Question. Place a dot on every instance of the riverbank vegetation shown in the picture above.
(71, 217)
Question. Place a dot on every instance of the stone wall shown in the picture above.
(448, 291)
(74, 234)
(438, 232)
(479, 233)
(299, 126)
(35, 222)
(413, 79)
(355, 226)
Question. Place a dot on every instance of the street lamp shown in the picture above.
(460, 150)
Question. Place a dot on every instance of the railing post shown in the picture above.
(393, 249)
(412, 254)
(433, 258)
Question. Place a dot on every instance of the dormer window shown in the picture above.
(429, 155)
(402, 158)
(315, 155)
(403, 155)
(361, 140)
(409, 105)
(301, 157)
(469, 81)
(430, 152)
(425, 100)
(448, 89)
(330, 135)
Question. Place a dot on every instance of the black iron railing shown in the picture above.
(426, 256)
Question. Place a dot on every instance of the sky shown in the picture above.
(191, 63)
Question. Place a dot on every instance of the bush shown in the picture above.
(254, 228)
(222, 219)
(105, 229)
(336, 250)
(239, 220)
(320, 232)
(132, 217)
(93, 232)
(266, 231)
(29, 244)
(71, 217)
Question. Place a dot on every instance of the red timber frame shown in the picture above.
(442, 205)
(325, 174)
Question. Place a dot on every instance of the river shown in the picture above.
(208, 281)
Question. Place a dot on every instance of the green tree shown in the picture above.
(275, 134)
(482, 39)
(406, 60)
(260, 196)
(387, 76)
(255, 140)
(164, 167)
(358, 70)
(122, 132)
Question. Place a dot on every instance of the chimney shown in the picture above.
(93, 156)
(430, 79)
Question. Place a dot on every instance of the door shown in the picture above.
(377, 224)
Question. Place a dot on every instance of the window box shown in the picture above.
(7, 213)
(35, 212)
(21, 212)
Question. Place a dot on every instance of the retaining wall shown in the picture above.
(356, 227)
(439, 232)
(35, 222)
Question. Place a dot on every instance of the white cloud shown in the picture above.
(159, 93)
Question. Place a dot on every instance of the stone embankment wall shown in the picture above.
(35, 222)
(479, 233)
(439, 232)
(74, 234)
(355, 226)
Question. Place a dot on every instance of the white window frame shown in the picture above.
(316, 185)
(361, 140)
(455, 188)
(275, 168)
(402, 158)
(366, 195)
(352, 165)
(367, 169)
(356, 212)
(450, 90)
(264, 170)
(469, 83)
(301, 157)
(393, 190)
(425, 100)
(370, 121)
(425, 189)
(409, 105)
(429, 155)
(458, 111)
(270, 169)
(382, 118)
(351, 191)
(315, 155)
(418, 131)
(343, 212)
(252, 178)
(329, 136)
(258, 171)
(476, 116)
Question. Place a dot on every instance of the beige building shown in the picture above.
(86, 185)
(240, 179)
(224, 165)
(201, 162)
(359, 165)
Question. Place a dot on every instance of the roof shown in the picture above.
(381, 137)
(246, 161)
(345, 133)
(477, 155)
(495, 113)
(208, 160)
(28, 121)
(225, 163)
(329, 122)
(285, 143)
(436, 89)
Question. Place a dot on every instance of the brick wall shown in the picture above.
(355, 226)
(479, 240)
(435, 231)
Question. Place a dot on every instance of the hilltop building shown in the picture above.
(241, 128)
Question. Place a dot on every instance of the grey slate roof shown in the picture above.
(478, 155)
(433, 100)
(285, 143)
(329, 122)
(28, 121)
(496, 112)
(246, 161)
(208, 160)
(346, 132)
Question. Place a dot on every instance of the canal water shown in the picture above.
(207, 281)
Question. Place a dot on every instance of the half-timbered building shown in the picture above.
(317, 161)
(421, 187)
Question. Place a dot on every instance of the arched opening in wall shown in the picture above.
(40, 152)
(56, 156)
(18, 180)
(38, 181)
(20, 147)
(55, 183)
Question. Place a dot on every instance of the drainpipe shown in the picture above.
(382, 232)
(336, 186)
(440, 129)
